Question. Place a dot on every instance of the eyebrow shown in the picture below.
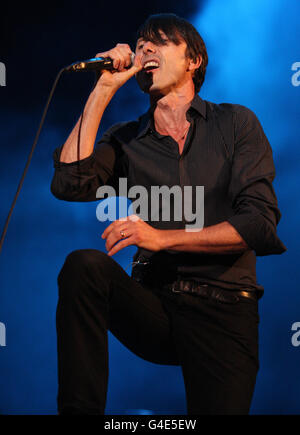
(162, 35)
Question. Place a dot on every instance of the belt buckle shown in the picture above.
(225, 298)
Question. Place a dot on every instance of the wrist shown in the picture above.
(165, 239)
(104, 92)
(175, 239)
(160, 237)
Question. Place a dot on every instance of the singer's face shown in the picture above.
(165, 66)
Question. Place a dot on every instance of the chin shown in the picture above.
(150, 88)
(159, 91)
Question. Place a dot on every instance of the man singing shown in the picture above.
(192, 298)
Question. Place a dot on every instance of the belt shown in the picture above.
(206, 291)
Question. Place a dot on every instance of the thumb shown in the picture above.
(135, 68)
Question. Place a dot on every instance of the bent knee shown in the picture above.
(82, 268)
(85, 257)
(82, 261)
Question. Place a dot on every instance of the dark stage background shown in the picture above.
(252, 46)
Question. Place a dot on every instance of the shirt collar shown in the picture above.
(199, 105)
(146, 120)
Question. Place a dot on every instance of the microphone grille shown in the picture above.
(132, 58)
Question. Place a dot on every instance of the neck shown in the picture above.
(170, 110)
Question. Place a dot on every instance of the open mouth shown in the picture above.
(150, 66)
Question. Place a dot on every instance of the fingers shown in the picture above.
(116, 238)
(112, 226)
(113, 233)
(128, 73)
(123, 244)
(138, 61)
(122, 222)
(136, 66)
(120, 54)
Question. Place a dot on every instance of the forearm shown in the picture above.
(216, 239)
(93, 112)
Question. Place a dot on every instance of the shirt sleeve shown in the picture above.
(254, 202)
(79, 180)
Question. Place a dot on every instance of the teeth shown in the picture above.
(147, 64)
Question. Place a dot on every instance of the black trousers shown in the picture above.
(215, 343)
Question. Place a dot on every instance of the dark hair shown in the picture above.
(177, 29)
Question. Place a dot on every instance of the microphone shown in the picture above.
(95, 64)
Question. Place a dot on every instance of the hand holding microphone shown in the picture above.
(114, 67)
(121, 55)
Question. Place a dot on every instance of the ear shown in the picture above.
(193, 65)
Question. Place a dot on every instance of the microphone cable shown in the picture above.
(67, 69)
(30, 156)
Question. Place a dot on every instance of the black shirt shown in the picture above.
(226, 151)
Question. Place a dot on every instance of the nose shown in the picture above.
(149, 47)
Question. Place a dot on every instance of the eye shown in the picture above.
(164, 41)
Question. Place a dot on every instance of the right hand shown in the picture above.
(121, 56)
